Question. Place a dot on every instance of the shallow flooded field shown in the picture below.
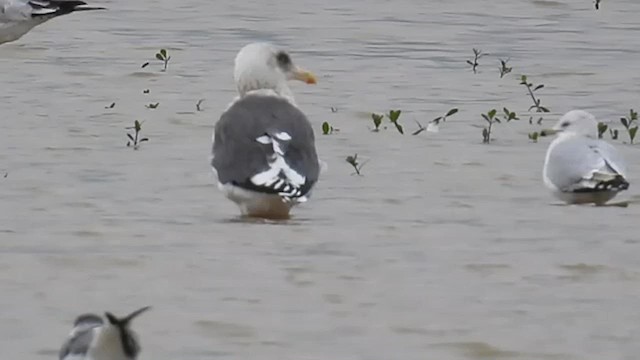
(445, 248)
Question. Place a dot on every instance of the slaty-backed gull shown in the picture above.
(264, 151)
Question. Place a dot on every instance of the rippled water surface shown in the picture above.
(445, 249)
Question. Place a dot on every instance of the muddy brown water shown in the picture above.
(445, 249)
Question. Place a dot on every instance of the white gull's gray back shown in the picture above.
(579, 167)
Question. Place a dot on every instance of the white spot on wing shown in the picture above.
(264, 139)
(280, 176)
(283, 136)
(277, 149)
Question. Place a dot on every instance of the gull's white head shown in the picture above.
(575, 122)
(261, 66)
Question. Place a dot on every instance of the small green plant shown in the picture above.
(162, 56)
(504, 69)
(135, 140)
(532, 89)
(110, 106)
(377, 121)
(508, 115)
(602, 128)
(152, 105)
(394, 115)
(629, 123)
(327, 129)
(198, 104)
(353, 161)
(490, 118)
(477, 54)
(534, 136)
(433, 124)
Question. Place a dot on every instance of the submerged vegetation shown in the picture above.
(394, 115)
(161, 55)
(135, 140)
(327, 129)
(490, 118)
(531, 89)
(477, 54)
(164, 57)
(353, 161)
(377, 121)
(630, 124)
(504, 69)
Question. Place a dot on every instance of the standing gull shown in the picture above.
(580, 168)
(17, 17)
(264, 151)
(93, 339)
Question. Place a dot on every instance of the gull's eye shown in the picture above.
(283, 59)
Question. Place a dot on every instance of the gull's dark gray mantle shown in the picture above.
(253, 137)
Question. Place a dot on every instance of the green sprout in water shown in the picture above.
(509, 115)
(490, 118)
(394, 115)
(504, 69)
(162, 56)
(532, 89)
(327, 129)
(477, 54)
(152, 105)
(377, 121)
(602, 128)
(534, 136)
(433, 124)
(135, 139)
(629, 122)
(353, 161)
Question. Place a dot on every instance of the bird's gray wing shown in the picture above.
(612, 156)
(14, 11)
(581, 164)
(78, 343)
(265, 144)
